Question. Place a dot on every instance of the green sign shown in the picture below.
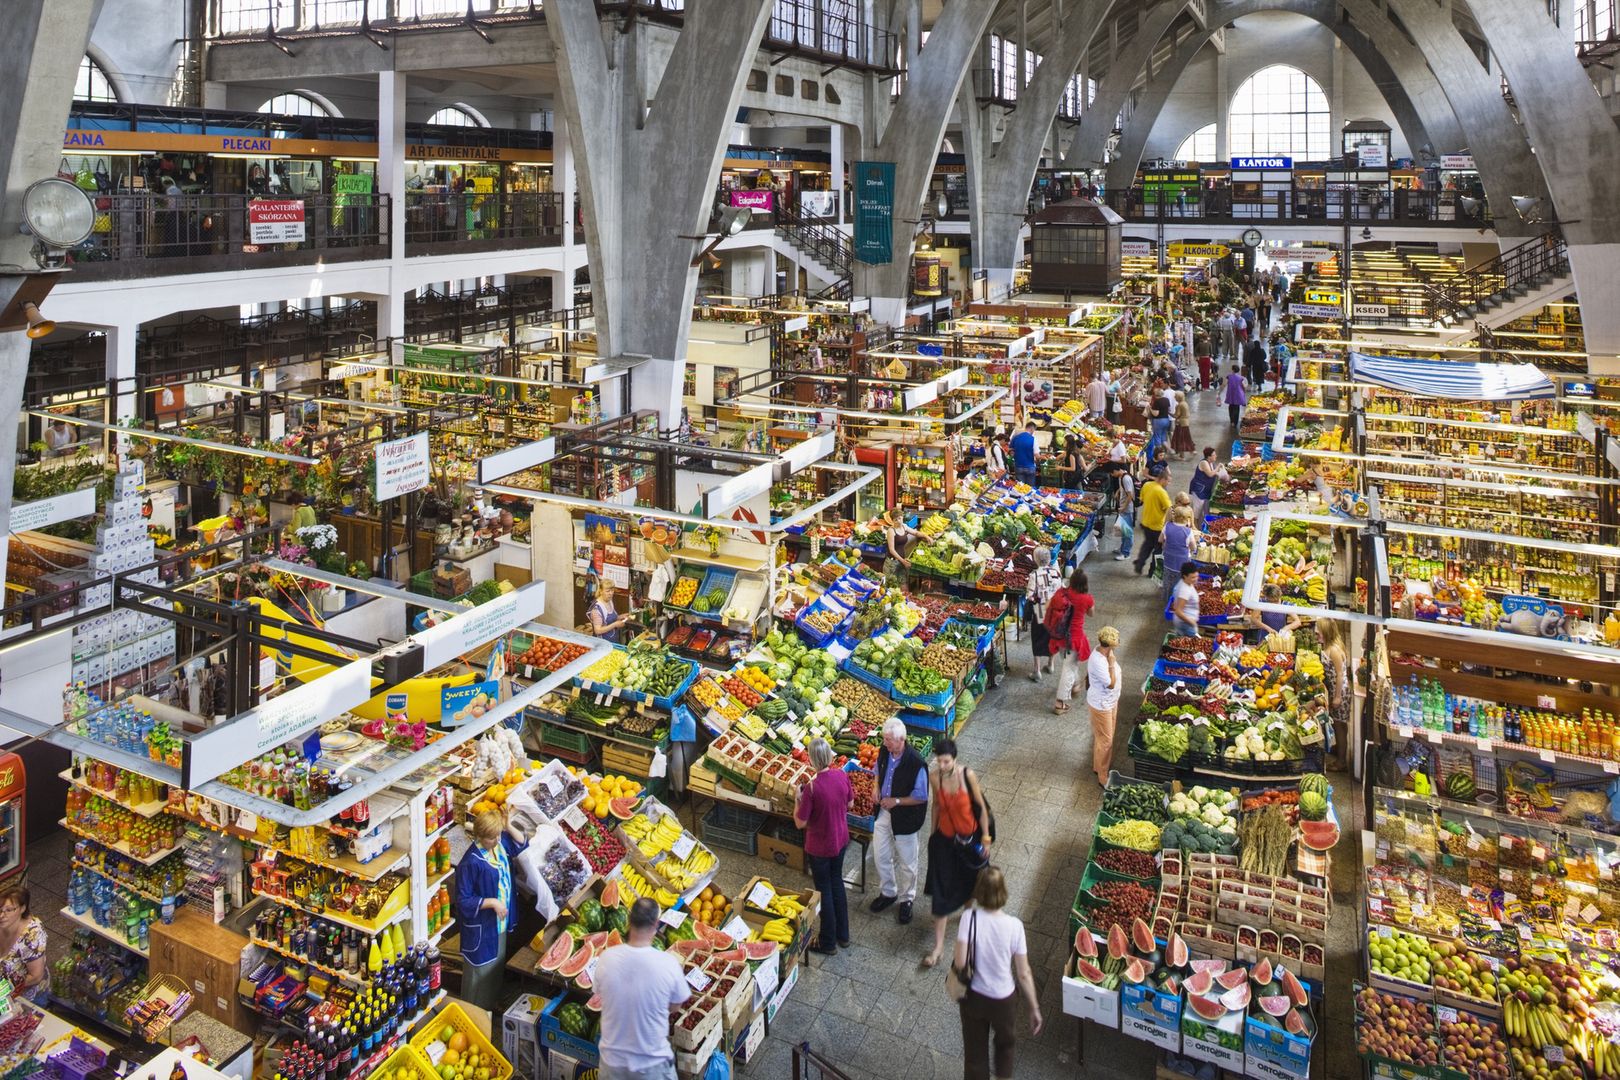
(351, 184)
(874, 211)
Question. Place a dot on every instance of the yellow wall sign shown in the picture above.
(1324, 296)
(1198, 251)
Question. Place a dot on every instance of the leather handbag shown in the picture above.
(958, 979)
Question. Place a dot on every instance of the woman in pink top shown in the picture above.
(822, 812)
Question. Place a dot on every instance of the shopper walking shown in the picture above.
(1254, 360)
(1336, 676)
(995, 455)
(1182, 441)
(1206, 362)
(992, 942)
(1236, 395)
(822, 812)
(1225, 327)
(23, 946)
(1103, 684)
(1202, 486)
(1155, 507)
(484, 906)
(902, 809)
(1043, 585)
(640, 987)
(1179, 542)
(1127, 509)
(1184, 602)
(1163, 421)
(959, 844)
(1024, 455)
(1066, 623)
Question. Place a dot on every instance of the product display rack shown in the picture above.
(925, 475)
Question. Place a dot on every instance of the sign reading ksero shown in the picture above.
(402, 466)
(1370, 311)
(276, 221)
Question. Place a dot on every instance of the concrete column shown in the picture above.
(1336, 117)
(835, 179)
(1086, 152)
(648, 174)
(911, 139)
(1573, 135)
(563, 178)
(121, 365)
(1223, 111)
(391, 181)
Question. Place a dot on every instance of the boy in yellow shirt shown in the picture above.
(1155, 506)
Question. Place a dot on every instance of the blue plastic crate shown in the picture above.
(986, 631)
(554, 1037)
(936, 722)
(591, 686)
(1170, 669)
(878, 682)
(718, 577)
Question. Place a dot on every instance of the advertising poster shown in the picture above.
(874, 211)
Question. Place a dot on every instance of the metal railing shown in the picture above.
(1360, 202)
(148, 234)
(1522, 267)
(822, 241)
(442, 222)
(809, 1065)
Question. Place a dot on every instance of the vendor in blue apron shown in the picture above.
(605, 620)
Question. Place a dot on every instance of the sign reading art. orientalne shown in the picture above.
(874, 211)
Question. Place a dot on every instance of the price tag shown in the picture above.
(1611, 767)
(1420, 910)
(1589, 912)
(1537, 852)
(698, 979)
(1473, 842)
(683, 845)
(736, 929)
(1403, 731)
(1505, 874)
(1384, 931)
(602, 699)
(1375, 904)
(1445, 1015)
(528, 671)
(1484, 746)
(553, 785)
(672, 918)
(1546, 701)
(573, 818)
(1554, 1054)
(762, 895)
(1435, 737)
(1524, 933)
(1200, 657)
(1548, 756)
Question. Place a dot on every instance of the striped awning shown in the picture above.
(1447, 379)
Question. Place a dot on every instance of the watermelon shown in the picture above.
(1214, 967)
(595, 1004)
(1261, 974)
(758, 950)
(1089, 971)
(1294, 1023)
(1237, 998)
(610, 894)
(583, 980)
(613, 939)
(1142, 937)
(1318, 835)
(1292, 987)
(1208, 1008)
(1135, 971)
(731, 954)
(1084, 944)
(1175, 954)
(572, 1019)
(715, 939)
(1199, 983)
(577, 963)
(590, 913)
(1277, 1005)
(1230, 980)
(687, 949)
(623, 808)
(560, 950)
(1119, 946)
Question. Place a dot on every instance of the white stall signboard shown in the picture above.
(276, 221)
(1369, 311)
(402, 466)
(516, 459)
(484, 623)
(43, 512)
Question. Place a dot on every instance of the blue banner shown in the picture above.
(874, 211)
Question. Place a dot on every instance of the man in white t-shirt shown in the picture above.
(1097, 396)
(641, 988)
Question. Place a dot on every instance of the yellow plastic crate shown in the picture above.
(406, 1063)
(452, 1016)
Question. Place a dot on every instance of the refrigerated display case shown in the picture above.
(13, 825)
(877, 497)
(927, 475)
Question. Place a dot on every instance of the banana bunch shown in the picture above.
(653, 840)
(777, 930)
(1600, 1053)
(666, 898)
(1540, 1025)
(751, 726)
(1316, 589)
(786, 906)
(631, 881)
(934, 524)
(685, 872)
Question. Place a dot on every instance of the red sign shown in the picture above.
(754, 200)
(276, 221)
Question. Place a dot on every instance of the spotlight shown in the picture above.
(1526, 205)
(38, 325)
(1468, 203)
(1366, 233)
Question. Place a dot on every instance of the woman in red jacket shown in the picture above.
(1066, 623)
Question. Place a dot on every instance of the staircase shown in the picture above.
(1513, 284)
(822, 245)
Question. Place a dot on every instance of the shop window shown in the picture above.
(1279, 110)
(809, 90)
(458, 115)
(784, 86)
(296, 103)
(1199, 146)
(92, 83)
(756, 81)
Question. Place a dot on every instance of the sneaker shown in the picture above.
(1121, 558)
(905, 912)
(1034, 676)
(882, 903)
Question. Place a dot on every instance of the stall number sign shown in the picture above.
(1324, 296)
(276, 221)
(402, 466)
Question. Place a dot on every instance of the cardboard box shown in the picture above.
(781, 852)
(810, 898)
(1274, 1053)
(1088, 1001)
(555, 1038)
(1149, 1015)
(751, 1040)
(782, 993)
(1219, 1042)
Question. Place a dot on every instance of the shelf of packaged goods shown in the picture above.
(350, 977)
(78, 1009)
(337, 917)
(145, 810)
(392, 859)
(104, 931)
(1490, 745)
(1387, 500)
(120, 847)
(118, 881)
(427, 840)
(433, 883)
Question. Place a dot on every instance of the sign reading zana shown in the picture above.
(1277, 161)
(275, 221)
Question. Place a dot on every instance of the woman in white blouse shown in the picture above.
(1000, 969)
(1102, 700)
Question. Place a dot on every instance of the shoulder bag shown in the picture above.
(958, 979)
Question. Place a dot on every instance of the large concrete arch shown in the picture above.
(1097, 123)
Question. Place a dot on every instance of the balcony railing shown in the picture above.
(442, 223)
(1360, 202)
(149, 235)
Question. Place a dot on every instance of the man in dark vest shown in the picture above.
(903, 807)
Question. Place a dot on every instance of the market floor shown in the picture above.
(873, 1013)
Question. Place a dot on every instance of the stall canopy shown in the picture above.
(1444, 378)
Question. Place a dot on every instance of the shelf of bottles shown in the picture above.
(1420, 704)
(1498, 508)
(925, 475)
(97, 980)
(1555, 574)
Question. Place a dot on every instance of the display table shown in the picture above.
(54, 1032)
(232, 1049)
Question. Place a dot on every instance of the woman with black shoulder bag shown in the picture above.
(990, 967)
(959, 846)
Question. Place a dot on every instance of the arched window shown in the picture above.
(1199, 146)
(92, 83)
(295, 103)
(1279, 110)
(458, 116)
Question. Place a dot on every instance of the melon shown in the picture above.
(715, 939)
(1293, 1022)
(687, 949)
(1171, 985)
(758, 950)
(1119, 946)
(610, 895)
(1089, 971)
(1199, 983)
(1214, 967)
(612, 939)
(577, 963)
(624, 808)
(583, 980)
(560, 950)
(1236, 998)
(1276, 1005)
(731, 954)
(1293, 987)
(1230, 980)
(1318, 835)
(1261, 974)
(1175, 954)
(596, 940)
(1135, 971)
(1142, 937)
(595, 1004)
(1084, 944)
(1208, 1008)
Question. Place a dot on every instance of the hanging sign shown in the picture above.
(468, 630)
(275, 221)
(738, 489)
(1301, 255)
(1457, 162)
(803, 454)
(1373, 155)
(1136, 248)
(760, 201)
(1198, 251)
(874, 211)
(1369, 311)
(43, 512)
(518, 458)
(1315, 311)
(1324, 296)
(402, 466)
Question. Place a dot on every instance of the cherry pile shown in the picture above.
(1123, 902)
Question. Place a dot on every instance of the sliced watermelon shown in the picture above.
(1294, 1023)
(560, 951)
(689, 948)
(1084, 944)
(1232, 979)
(731, 954)
(1208, 1008)
(612, 939)
(1261, 974)
(1175, 953)
(1135, 971)
(1236, 998)
(1214, 967)
(597, 940)
(758, 950)
(1119, 946)
(1199, 983)
(577, 963)
(623, 808)
(715, 939)
(610, 895)
(1142, 937)
(1089, 971)
(595, 1004)
(1277, 1005)
(583, 980)
(1293, 987)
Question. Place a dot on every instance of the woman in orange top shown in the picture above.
(959, 846)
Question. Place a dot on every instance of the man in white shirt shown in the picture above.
(640, 988)
(1097, 396)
